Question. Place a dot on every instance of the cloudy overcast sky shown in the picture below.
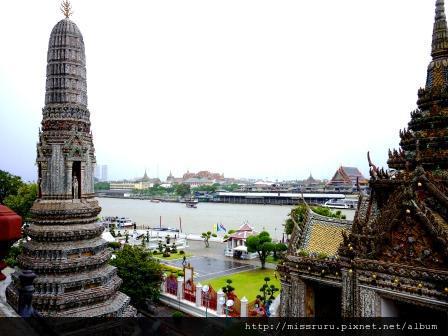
(249, 88)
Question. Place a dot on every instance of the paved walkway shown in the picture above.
(216, 251)
(209, 267)
(209, 263)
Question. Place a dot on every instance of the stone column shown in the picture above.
(348, 302)
(244, 302)
(219, 308)
(162, 285)
(296, 300)
(284, 299)
(26, 291)
(68, 179)
(198, 295)
(180, 288)
(369, 303)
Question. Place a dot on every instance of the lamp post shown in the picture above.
(228, 305)
(205, 291)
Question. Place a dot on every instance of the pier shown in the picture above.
(274, 198)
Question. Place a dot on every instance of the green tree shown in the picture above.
(13, 252)
(114, 245)
(9, 185)
(279, 247)
(262, 244)
(267, 292)
(140, 272)
(327, 212)
(205, 188)
(112, 230)
(230, 187)
(228, 289)
(182, 189)
(102, 186)
(22, 202)
(206, 236)
(297, 215)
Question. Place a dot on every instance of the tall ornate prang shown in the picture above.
(393, 261)
(66, 250)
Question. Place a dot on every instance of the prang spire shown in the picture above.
(440, 32)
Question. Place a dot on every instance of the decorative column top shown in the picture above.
(66, 9)
(439, 36)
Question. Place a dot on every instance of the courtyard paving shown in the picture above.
(211, 262)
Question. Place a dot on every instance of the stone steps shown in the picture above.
(115, 306)
(51, 304)
(51, 266)
(69, 232)
(107, 271)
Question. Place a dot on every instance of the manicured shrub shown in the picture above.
(114, 245)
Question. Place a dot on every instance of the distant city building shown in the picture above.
(97, 173)
(311, 181)
(142, 183)
(347, 178)
(101, 172)
(204, 174)
(197, 181)
(104, 173)
(170, 179)
(122, 185)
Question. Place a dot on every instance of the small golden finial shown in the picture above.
(66, 8)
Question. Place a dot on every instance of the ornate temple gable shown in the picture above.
(296, 235)
(398, 245)
(75, 146)
(43, 149)
(318, 234)
(340, 177)
(323, 235)
(409, 226)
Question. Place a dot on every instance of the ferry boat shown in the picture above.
(124, 222)
(341, 204)
(155, 201)
(191, 205)
(165, 229)
(189, 200)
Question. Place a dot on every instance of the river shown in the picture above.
(201, 219)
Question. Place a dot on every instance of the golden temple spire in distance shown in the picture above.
(66, 8)
(440, 32)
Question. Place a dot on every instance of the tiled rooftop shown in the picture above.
(324, 238)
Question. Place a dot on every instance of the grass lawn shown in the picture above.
(271, 260)
(170, 269)
(246, 284)
(172, 256)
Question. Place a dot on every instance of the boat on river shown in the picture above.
(164, 229)
(341, 204)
